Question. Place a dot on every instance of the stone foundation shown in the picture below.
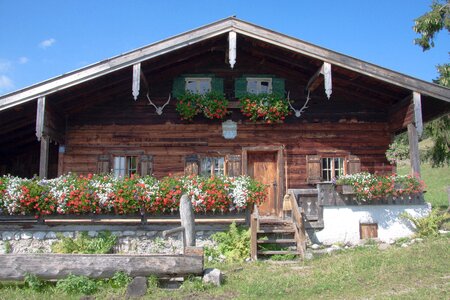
(129, 240)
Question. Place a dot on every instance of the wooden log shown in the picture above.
(43, 160)
(56, 266)
(414, 156)
(187, 220)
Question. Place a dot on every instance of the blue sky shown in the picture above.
(43, 39)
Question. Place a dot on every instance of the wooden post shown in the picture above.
(187, 220)
(43, 160)
(414, 150)
(61, 151)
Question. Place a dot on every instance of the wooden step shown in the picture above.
(276, 241)
(274, 252)
(270, 230)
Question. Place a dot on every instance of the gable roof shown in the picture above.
(214, 29)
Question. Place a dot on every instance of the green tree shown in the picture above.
(428, 25)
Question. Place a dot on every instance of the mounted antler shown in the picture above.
(298, 112)
(159, 110)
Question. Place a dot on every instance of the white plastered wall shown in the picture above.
(341, 223)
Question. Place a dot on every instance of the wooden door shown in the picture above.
(263, 167)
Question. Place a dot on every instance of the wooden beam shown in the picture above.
(414, 156)
(61, 152)
(40, 117)
(43, 160)
(418, 112)
(57, 266)
(315, 80)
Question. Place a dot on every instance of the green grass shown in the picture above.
(421, 271)
(437, 181)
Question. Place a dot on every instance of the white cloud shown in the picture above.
(5, 65)
(47, 43)
(23, 60)
(6, 84)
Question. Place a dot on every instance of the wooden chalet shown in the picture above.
(119, 114)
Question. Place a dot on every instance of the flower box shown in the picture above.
(345, 189)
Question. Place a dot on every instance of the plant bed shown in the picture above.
(366, 188)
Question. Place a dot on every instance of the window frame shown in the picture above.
(258, 81)
(127, 170)
(212, 170)
(331, 168)
(197, 80)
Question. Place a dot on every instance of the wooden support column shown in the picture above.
(414, 157)
(61, 151)
(43, 160)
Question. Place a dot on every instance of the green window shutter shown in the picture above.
(217, 85)
(278, 86)
(178, 88)
(240, 87)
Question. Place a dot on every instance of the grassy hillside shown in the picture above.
(437, 181)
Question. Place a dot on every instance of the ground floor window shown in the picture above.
(332, 167)
(125, 166)
(212, 166)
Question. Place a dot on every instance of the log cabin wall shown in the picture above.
(169, 143)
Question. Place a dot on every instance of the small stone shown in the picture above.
(213, 276)
(315, 246)
(336, 247)
(129, 233)
(419, 240)
(68, 234)
(308, 255)
(140, 233)
(39, 235)
(92, 233)
(26, 235)
(151, 233)
(50, 235)
(199, 233)
(383, 246)
(116, 233)
(404, 245)
(391, 242)
(7, 235)
(17, 236)
(137, 287)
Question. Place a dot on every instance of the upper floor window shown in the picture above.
(212, 166)
(198, 85)
(124, 166)
(259, 85)
(332, 167)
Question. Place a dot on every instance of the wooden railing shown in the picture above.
(299, 225)
(254, 227)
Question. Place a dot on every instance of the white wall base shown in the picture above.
(341, 223)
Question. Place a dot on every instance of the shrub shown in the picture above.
(428, 225)
(398, 150)
(34, 283)
(74, 284)
(84, 244)
(233, 244)
(120, 280)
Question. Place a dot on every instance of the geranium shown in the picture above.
(370, 188)
(214, 105)
(106, 194)
(188, 105)
(270, 108)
